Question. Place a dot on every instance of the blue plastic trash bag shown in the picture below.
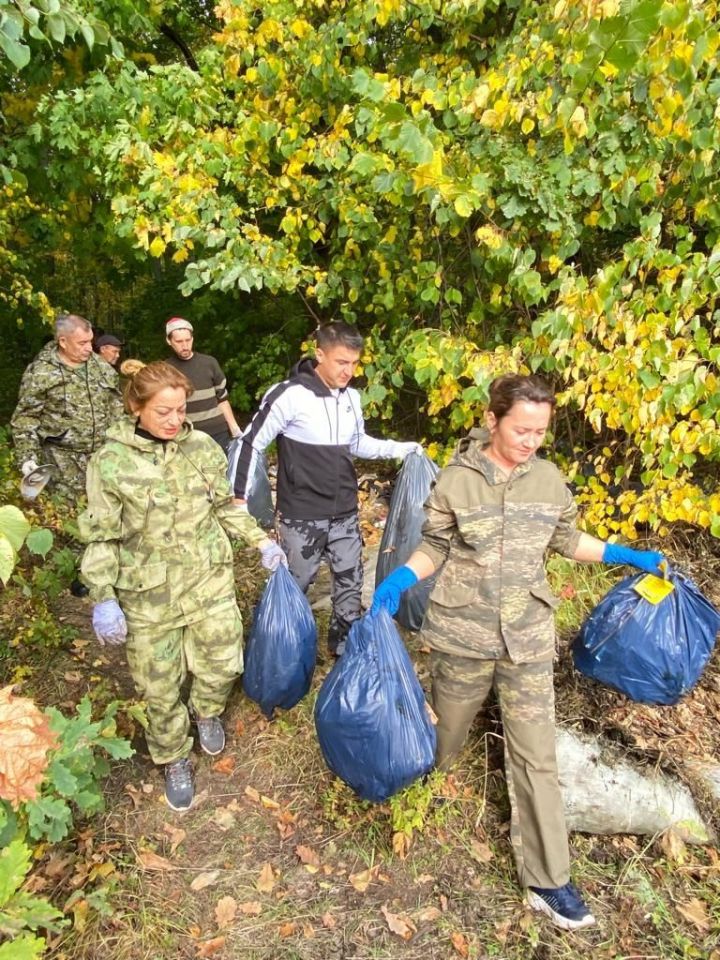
(282, 646)
(259, 494)
(371, 717)
(652, 652)
(403, 532)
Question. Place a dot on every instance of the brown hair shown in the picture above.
(511, 388)
(148, 379)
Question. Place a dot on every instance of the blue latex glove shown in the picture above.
(109, 623)
(391, 589)
(648, 560)
(272, 556)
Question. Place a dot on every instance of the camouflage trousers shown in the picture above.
(159, 661)
(337, 540)
(68, 478)
(460, 686)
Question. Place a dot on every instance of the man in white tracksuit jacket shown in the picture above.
(318, 421)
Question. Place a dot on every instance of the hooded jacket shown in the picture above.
(319, 431)
(489, 532)
(156, 527)
(70, 407)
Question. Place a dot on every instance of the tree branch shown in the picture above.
(175, 38)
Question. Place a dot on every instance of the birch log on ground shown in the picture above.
(615, 797)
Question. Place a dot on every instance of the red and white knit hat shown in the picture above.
(177, 323)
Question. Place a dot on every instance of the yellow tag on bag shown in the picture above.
(653, 588)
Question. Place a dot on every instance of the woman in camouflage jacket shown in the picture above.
(159, 567)
(493, 513)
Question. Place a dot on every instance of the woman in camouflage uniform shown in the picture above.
(159, 567)
(491, 516)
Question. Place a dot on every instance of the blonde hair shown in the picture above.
(148, 379)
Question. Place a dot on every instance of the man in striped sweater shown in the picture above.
(208, 407)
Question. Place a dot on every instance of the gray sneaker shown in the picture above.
(179, 787)
(210, 734)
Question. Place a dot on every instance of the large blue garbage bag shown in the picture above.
(282, 647)
(403, 532)
(259, 494)
(652, 652)
(371, 718)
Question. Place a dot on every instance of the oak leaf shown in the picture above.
(287, 929)
(696, 912)
(328, 921)
(176, 834)
(267, 879)
(25, 739)
(362, 880)
(225, 766)
(225, 910)
(308, 856)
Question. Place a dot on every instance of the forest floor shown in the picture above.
(277, 860)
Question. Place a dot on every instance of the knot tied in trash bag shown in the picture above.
(282, 646)
(371, 716)
(648, 638)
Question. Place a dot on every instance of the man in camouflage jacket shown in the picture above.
(68, 399)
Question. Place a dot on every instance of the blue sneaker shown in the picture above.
(563, 905)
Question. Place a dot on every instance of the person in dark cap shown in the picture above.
(108, 347)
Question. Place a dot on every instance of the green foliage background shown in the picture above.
(480, 185)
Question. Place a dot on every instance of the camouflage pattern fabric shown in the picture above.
(63, 414)
(156, 530)
(159, 659)
(491, 531)
(339, 541)
(460, 686)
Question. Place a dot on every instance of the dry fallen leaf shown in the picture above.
(176, 834)
(210, 947)
(428, 915)
(328, 921)
(25, 739)
(225, 766)
(253, 794)
(267, 879)
(400, 844)
(673, 846)
(224, 819)
(307, 856)
(459, 942)
(225, 911)
(399, 924)
(268, 803)
(361, 881)
(696, 912)
(480, 851)
(203, 880)
(287, 929)
(502, 930)
(251, 908)
(308, 931)
(153, 861)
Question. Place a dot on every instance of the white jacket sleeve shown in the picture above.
(371, 448)
(273, 417)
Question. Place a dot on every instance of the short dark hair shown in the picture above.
(338, 333)
(511, 388)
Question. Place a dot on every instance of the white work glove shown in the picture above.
(28, 467)
(109, 623)
(410, 447)
(272, 555)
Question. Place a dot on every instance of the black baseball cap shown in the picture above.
(108, 340)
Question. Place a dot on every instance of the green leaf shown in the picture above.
(15, 51)
(62, 779)
(39, 542)
(32, 911)
(14, 525)
(57, 27)
(8, 558)
(415, 144)
(14, 865)
(25, 947)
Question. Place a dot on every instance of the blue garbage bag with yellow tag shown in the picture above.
(282, 647)
(649, 638)
(371, 717)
